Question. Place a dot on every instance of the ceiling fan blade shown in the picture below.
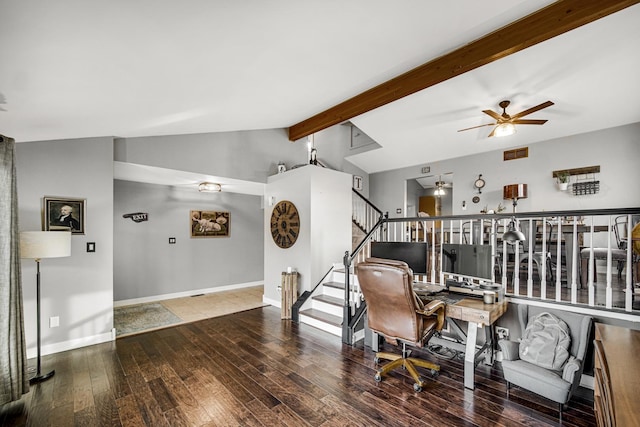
(492, 132)
(532, 110)
(493, 114)
(488, 124)
(529, 122)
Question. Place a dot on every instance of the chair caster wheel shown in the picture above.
(376, 360)
(417, 388)
(377, 377)
(435, 373)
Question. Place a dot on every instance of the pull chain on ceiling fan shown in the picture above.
(505, 124)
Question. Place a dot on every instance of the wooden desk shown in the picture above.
(477, 314)
(617, 376)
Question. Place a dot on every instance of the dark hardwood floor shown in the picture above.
(253, 369)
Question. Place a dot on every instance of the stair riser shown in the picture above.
(338, 276)
(327, 308)
(334, 330)
(333, 292)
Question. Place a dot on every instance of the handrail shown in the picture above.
(295, 309)
(364, 199)
(347, 318)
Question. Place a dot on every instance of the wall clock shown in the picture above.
(479, 184)
(285, 224)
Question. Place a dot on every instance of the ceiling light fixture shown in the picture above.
(504, 129)
(209, 187)
(439, 191)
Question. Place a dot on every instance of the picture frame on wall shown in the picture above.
(64, 214)
(210, 223)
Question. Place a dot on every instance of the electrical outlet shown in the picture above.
(502, 333)
(54, 321)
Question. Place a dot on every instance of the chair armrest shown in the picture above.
(510, 349)
(436, 307)
(570, 368)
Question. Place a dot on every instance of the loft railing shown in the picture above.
(364, 213)
(580, 257)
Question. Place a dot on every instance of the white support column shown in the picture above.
(574, 266)
(591, 268)
(559, 262)
(532, 243)
(609, 301)
(543, 273)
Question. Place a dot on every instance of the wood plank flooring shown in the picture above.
(254, 369)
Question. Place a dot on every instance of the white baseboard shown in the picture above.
(272, 302)
(587, 381)
(155, 298)
(71, 344)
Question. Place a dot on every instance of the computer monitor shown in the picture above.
(467, 260)
(413, 253)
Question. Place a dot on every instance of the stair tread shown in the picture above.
(323, 316)
(338, 285)
(329, 300)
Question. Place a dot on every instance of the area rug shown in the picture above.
(131, 319)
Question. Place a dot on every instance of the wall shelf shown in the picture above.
(578, 171)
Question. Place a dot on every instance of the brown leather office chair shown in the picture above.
(395, 312)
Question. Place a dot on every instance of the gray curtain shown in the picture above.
(14, 381)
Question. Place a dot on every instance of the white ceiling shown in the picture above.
(78, 68)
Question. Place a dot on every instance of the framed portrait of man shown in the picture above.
(64, 214)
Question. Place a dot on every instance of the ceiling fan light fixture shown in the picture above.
(504, 129)
(439, 191)
(209, 187)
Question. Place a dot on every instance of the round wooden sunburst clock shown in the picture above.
(285, 224)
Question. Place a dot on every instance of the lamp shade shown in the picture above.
(504, 129)
(513, 235)
(45, 244)
(514, 191)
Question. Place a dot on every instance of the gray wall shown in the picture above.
(79, 288)
(615, 150)
(146, 265)
(248, 155)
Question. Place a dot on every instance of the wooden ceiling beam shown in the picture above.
(551, 21)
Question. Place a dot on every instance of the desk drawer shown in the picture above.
(477, 316)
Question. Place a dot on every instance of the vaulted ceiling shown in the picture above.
(74, 68)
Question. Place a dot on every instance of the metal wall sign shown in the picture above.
(137, 216)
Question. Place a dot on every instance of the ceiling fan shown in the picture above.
(505, 124)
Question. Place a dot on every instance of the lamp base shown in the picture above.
(40, 378)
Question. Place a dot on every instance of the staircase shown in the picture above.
(324, 310)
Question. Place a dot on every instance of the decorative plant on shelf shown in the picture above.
(563, 180)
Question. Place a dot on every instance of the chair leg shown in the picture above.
(560, 412)
(408, 363)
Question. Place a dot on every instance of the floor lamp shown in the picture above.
(37, 245)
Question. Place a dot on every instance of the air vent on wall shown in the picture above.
(516, 153)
